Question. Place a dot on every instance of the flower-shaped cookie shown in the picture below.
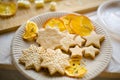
(31, 57)
(49, 37)
(55, 61)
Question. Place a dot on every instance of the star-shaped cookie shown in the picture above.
(55, 61)
(67, 41)
(31, 57)
(94, 39)
(49, 37)
(90, 52)
(79, 41)
(76, 52)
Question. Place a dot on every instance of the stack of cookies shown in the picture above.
(58, 49)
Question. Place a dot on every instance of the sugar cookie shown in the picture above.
(55, 61)
(90, 52)
(76, 52)
(49, 37)
(67, 41)
(31, 58)
(79, 41)
(94, 39)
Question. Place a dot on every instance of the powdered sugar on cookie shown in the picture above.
(55, 61)
(31, 57)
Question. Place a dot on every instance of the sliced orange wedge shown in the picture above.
(66, 19)
(55, 22)
(7, 8)
(75, 70)
(31, 30)
(82, 25)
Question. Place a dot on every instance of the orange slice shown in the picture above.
(66, 19)
(55, 22)
(75, 70)
(31, 30)
(7, 8)
(29, 36)
(82, 25)
(31, 27)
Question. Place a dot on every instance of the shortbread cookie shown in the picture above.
(79, 40)
(76, 52)
(94, 39)
(34, 49)
(49, 37)
(67, 41)
(90, 52)
(31, 57)
(55, 61)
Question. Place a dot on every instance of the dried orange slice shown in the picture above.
(66, 19)
(82, 25)
(30, 31)
(29, 36)
(55, 22)
(31, 27)
(75, 70)
(7, 8)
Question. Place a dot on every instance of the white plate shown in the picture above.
(109, 15)
(94, 67)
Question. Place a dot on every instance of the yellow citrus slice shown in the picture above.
(66, 19)
(30, 31)
(55, 22)
(82, 25)
(29, 36)
(31, 27)
(7, 8)
(75, 70)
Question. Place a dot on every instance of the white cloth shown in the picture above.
(5, 44)
(114, 65)
(6, 38)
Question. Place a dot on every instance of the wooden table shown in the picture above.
(22, 15)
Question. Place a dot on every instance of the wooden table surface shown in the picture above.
(22, 15)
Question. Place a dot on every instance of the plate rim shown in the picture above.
(29, 77)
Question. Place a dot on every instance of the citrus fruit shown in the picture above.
(7, 8)
(31, 27)
(82, 25)
(66, 19)
(55, 22)
(30, 31)
(75, 69)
